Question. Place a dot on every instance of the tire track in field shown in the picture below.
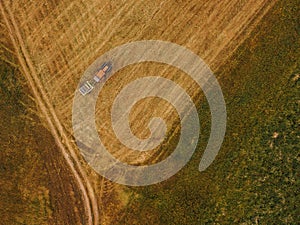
(233, 32)
(51, 118)
(236, 28)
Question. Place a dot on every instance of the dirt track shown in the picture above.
(52, 120)
(60, 39)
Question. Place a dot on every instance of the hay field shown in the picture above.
(58, 40)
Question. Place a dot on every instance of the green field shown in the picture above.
(31, 168)
(24, 193)
(255, 178)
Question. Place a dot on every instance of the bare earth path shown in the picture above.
(53, 122)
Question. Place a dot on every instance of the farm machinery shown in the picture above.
(101, 75)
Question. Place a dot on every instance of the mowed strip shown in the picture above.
(63, 47)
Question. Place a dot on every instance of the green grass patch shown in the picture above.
(24, 196)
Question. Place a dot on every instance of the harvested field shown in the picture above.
(57, 40)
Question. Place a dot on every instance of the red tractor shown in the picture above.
(101, 74)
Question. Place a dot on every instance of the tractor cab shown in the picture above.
(101, 74)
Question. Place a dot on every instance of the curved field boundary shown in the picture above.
(51, 118)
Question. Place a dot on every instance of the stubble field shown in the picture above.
(55, 41)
